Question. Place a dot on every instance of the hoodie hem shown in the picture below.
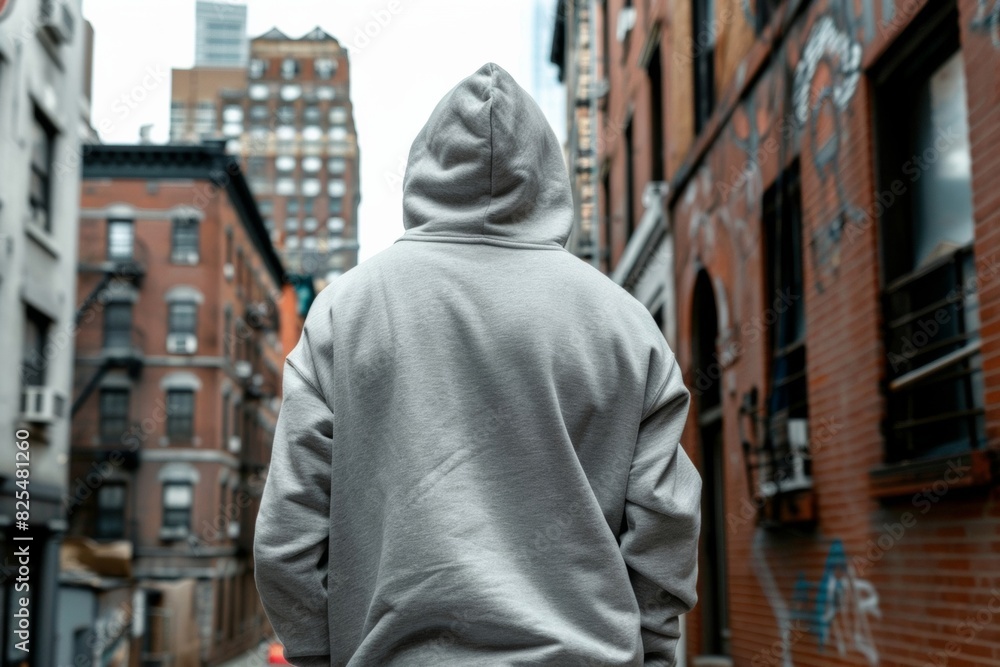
(488, 240)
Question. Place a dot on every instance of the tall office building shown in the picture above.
(289, 116)
(220, 35)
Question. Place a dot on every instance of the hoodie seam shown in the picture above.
(486, 240)
(486, 214)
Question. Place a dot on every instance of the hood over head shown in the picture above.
(487, 164)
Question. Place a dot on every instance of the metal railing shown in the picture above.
(934, 366)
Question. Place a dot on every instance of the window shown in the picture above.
(289, 68)
(180, 414)
(177, 499)
(336, 187)
(337, 165)
(338, 134)
(310, 224)
(120, 239)
(257, 68)
(291, 224)
(259, 91)
(654, 74)
(312, 134)
(286, 114)
(311, 187)
(185, 241)
(118, 324)
(111, 510)
(292, 207)
(338, 116)
(930, 301)
(182, 317)
(285, 163)
(311, 114)
(285, 186)
(325, 68)
(335, 225)
(703, 45)
(291, 92)
(309, 205)
(629, 158)
(232, 113)
(40, 193)
(258, 112)
(34, 360)
(113, 413)
(787, 404)
(336, 205)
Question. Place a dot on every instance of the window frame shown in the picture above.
(116, 530)
(42, 126)
(173, 525)
(928, 43)
(172, 315)
(120, 418)
(181, 251)
(180, 427)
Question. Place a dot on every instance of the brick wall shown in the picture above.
(904, 577)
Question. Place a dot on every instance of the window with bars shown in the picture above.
(930, 302)
(177, 501)
(184, 246)
(118, 324)
(110, 522)
(43, 137)
(113, 414)
(180, 414)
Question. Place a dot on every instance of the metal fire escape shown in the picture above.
(125, 270)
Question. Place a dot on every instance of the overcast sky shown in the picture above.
(397, 76)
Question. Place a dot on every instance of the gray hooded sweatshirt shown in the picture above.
(476, 460)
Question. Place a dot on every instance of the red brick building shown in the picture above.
(177, 385)
(830, 202)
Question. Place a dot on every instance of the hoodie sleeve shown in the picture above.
(290, 540)
(659, 541)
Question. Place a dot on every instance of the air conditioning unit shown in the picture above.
(626, 21)
(42, 405)
(796, 444)
(55, 18)
(235, 444)
(182, 343)
(243, 369)
(228, 271)
(185, 257)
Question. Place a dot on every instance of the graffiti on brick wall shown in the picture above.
(837, 610)
(839, 607)
(826, 78)
(987, 20)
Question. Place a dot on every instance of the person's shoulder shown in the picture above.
(607, 294)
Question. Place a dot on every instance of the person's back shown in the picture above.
(477, 459)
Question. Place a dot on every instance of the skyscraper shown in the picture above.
(220, 35)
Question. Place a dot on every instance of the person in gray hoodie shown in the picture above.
(477, 456)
